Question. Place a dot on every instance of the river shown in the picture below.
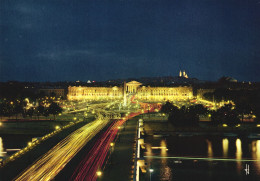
(203, 158)
(9, 144)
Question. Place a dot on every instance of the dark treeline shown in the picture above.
(184, 116)
(19, 109)
(189, 116)
(18, 91)
(246, 101)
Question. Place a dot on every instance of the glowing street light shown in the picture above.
(29, 143)
(238, 125)
(99, 173)
(112, 144)
(224, 125)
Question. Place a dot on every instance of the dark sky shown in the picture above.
(53, 40)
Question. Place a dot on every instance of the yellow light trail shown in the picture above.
(51, 163)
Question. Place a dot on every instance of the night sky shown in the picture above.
(56, 40)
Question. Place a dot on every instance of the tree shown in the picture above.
(40, 110)
(18, 108)
(199, 109)
(6, 109)
(54, 109)
(46, 113)
(30, 112)
(225, 114)
(168, 107)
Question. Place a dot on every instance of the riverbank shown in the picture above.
(152, 128)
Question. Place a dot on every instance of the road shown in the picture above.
(51, 163)
(94, 160)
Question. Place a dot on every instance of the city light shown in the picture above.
(29, 144)
(99, 173)
(51, 163)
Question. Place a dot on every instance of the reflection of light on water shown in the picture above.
(210, 151)
(258, 149)
(256, 155)
(163, 148)
(239, 154)
(225, 147)
(149, 152)
(239, 149)
(1, 147)
(166, 173)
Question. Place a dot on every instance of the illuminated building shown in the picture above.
(131, 88)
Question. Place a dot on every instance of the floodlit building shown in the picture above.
(131, 88)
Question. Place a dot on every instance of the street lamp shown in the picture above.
(150, 170)
(99, 173)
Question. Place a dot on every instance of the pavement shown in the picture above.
(121, 160)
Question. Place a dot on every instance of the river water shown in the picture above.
(185, 158)
(9, 144)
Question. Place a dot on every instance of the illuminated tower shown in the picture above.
(180, 74)
(184, 74)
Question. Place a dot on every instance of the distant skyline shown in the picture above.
(63, 40)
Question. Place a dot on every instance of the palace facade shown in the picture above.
(131, 88)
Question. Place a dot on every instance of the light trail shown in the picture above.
(94, 160)
(202, 158)
(51, 163)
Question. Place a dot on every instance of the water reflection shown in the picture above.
(210, 151)
(2, 153)
(149, 151)
(239, 154)
(225, 147)
(212, 147)
(166, 173)
(256, 155)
